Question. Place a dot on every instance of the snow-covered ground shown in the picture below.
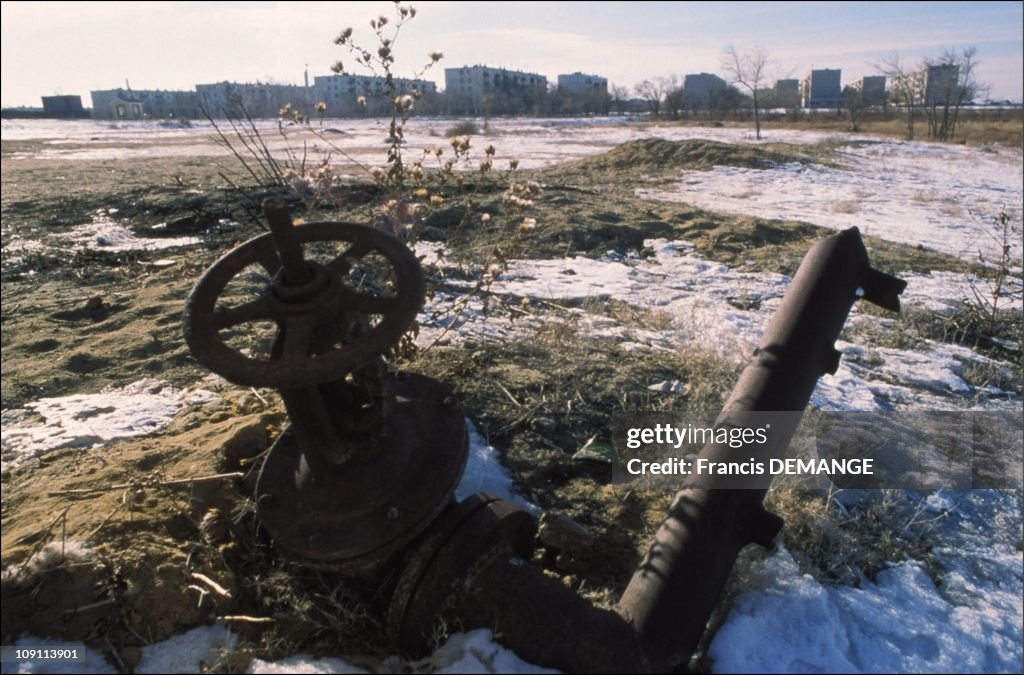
(937, 196)
(942, 197)
(701, 302)
(534, 142)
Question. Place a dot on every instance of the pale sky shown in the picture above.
(72, 48)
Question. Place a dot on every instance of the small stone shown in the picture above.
(562, 533)
(243, 440)
(214, 527)
(543, 425)
(130, 656)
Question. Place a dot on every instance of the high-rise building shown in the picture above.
(482, 89)
(822, 89)
(700, 89)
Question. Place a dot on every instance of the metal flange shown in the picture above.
(354, 517)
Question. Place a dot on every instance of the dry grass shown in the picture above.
(848, 544)
(845, 206)
(977, 127)
(630, 316)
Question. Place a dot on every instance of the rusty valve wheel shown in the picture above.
(308, 301)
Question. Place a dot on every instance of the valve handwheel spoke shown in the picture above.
(343, 263)
(229, 317)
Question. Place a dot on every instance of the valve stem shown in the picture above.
(296, 273)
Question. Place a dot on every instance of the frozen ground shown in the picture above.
(901, 622)
(535, 142)
(783, 621)
(701, 304)
(942, 197)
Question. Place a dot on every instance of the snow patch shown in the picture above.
(698, 299)
(53, 554)
(188, 652)
(476, 652)
(86, 420)
(484, 473)
(901, 623)
(939, 196)
(303, 665)
(103, 234)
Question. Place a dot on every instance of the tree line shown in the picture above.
(937, 88)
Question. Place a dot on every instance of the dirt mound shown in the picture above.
(133, 542)
(656, 155)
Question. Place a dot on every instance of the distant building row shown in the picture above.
(823, 89)
(340, 92)
(820, 89)
(475, 89)
(486, 90)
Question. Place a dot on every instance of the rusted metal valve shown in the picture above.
(371, 456)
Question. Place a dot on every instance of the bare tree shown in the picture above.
(949, 84)
(651, 91)
(907, 87)
(725, 100)
(619, 97)
(750, 72)
(853, 100)
(675, 97)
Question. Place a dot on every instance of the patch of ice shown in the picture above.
(788, 622)
(85, 420)
(106, 235)
(484, 473)
(188, 652)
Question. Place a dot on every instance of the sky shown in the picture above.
(71, 48)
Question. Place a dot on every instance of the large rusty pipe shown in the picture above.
(472, 570)
(677, 585)
(468, 569)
